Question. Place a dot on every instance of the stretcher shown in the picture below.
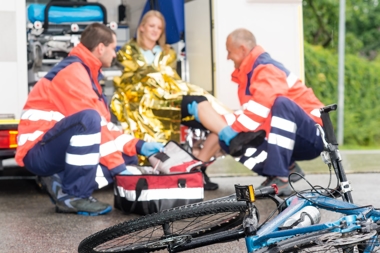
(54, 28)
(65, 14)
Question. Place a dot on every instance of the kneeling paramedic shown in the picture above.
(65, 132)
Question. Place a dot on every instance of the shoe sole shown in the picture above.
(211, 188)
(84, 213)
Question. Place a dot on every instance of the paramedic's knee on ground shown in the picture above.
(293, 137)
(63, 142)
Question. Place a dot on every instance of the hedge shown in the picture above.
(361, 96)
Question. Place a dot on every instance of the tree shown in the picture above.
(321, 20)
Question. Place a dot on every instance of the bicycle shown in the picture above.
(295, 228)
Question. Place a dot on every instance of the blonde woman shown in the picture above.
(151, 101)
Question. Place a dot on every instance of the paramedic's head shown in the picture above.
(101, 41)
(239, 44)
(151, 30)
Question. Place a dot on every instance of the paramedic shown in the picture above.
(273, 100)
(65, 133)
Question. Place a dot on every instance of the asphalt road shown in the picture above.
(29, 222)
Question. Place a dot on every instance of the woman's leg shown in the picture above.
(210, 147)
(209, 118)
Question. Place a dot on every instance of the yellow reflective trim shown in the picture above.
(9, 121)
(251, 193)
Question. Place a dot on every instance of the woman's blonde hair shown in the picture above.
(152, 13)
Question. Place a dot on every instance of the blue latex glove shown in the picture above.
(150, 148)
(130, 170)
(125, 172)
(193, 109)
(227, 134)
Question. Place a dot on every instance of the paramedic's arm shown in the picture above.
(267, 83)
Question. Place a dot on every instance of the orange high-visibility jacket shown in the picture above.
(66, 90)
(261, 80)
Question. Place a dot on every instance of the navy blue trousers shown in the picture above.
(71, 150)
(293, 137)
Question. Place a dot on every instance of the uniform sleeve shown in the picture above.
(267, 83)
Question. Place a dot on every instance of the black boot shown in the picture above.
(207, 184)
(245, 140)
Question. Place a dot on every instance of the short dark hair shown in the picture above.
(95, 34)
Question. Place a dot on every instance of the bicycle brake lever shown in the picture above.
(319, 127)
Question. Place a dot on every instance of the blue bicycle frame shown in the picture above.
(357, 219)
(270, 233)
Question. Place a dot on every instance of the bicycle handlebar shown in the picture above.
(327, 124)
(271, 192)
(266, 191)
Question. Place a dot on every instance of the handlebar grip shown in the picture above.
(328, 128)
(266, 191)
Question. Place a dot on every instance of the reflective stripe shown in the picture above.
(316, 113)
(230, 118)
(291, 79)
(248, 122)
(107, 148)
(122, 140)
(23, 138)
(251, 162)
(283, 124)
(85, 140)
(257, 108)
(82, 160)
(156, 194)
(103, 121)
(110, 126)
(249, 152)
(281, 141)
(100, 178)
(35, 115)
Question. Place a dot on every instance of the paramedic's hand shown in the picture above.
(227, 134)
(125, 172)
(193, 110)
(130, 170)
(150, 148)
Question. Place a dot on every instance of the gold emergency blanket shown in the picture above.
(147, 98)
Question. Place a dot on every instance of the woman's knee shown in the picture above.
(190, 99)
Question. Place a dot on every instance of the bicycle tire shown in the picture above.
(171, 228)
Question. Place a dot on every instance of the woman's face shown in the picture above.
(152, 29)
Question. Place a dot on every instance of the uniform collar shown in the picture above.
(87, 58)
(246, 65)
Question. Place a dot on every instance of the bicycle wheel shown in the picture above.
(324, 242)
(171, 228)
